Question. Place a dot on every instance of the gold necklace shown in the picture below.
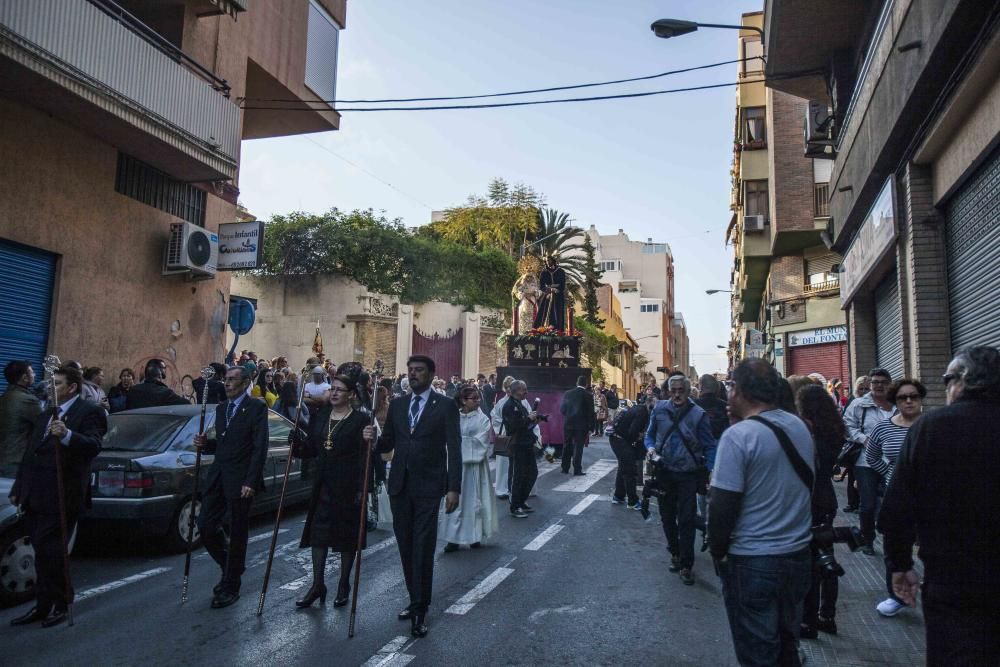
(331, 429)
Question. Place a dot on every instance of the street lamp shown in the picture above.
(645, 337)
(716, 291)
(667, 28)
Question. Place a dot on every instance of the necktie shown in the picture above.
(414, 411)
(230, 411)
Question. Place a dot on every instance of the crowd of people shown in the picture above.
(749, 462)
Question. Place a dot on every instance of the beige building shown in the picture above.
(641, 275)
(358, 325)
(784, 280)
(619, 369)
(118, 119)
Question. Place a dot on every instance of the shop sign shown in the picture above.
(241, 245)
(874, 239)
(837, 334)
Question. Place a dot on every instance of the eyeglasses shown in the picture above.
(339, 390)
(879, 383)
(908, 397)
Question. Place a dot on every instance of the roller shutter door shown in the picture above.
(889, 327)
(828, 359)
(26, 280)
(974, 258)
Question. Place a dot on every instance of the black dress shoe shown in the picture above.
(218, 587)
(827, 625)
(807, 632)
(476, 545)
(225, 599)
(450, 547)
(418, 628)
(579, 473)
(55, 618)
(405, 615)
(32, 616)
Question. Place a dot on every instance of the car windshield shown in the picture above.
(141, 433)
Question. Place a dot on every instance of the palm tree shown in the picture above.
(556, 237)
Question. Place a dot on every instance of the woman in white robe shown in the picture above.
(475, 519)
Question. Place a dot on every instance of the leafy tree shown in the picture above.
(596, 345)
(592, 275)
(557, 237)
(385, 257)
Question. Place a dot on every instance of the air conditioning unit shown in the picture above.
(191, 249)
(818, 131)
(753, 223)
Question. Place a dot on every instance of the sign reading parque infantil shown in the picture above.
(241, 245)
(876, 236)
(837, 334)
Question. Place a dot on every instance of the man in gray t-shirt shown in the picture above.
(775, 514)
(759, 518)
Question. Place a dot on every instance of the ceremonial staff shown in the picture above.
(52, 364)
(281, 500)
(206, 373)
(376, 376)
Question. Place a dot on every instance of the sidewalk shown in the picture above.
(864, 637)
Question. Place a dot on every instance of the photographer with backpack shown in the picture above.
(627, 433)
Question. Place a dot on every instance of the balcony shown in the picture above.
(825, 287)
(821, 207)
(98, 68)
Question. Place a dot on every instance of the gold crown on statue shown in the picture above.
(529, 264)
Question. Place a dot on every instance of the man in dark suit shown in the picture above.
(236, 474)
(423, 440)
(487, 394)
(577, 409)
(151, 392)
(73, 432)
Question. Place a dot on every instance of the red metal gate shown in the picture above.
(829, 360)
(446, 351)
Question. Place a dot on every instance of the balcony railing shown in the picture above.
(816, 288)
(100, 52)
(822, 200)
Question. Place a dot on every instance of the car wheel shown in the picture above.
(177, 536)
(17, 567)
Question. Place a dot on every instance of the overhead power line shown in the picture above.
(510, 93)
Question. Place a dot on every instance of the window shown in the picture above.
(754, 128)
(152, 187)
(322, 37)
(753, 52)
(654, 248)
(649, 308)
(611, 265)
(755, 198)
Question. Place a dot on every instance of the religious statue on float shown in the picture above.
(552, 305)
(526, 294)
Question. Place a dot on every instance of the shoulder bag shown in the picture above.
(801, 468)
(502, 442)
(849, 452)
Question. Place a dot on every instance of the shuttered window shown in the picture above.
(889, 327)
(321, 53)
(142, 182)
(974, 258)
(828, 359)
(27, 276)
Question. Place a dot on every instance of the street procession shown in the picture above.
(438, 336)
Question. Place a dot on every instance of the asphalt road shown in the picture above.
(579, 582)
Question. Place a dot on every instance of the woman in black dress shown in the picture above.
(335, 507)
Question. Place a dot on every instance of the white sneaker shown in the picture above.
(890, 607)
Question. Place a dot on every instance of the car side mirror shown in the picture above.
(186, 459)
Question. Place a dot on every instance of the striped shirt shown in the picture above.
(882, 448)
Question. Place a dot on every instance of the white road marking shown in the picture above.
(543, 537)
(252, 540)
(593, 475)
(391, 654)
(568, 609)
(334, 565)
(584, 504)
(481, 590)
(110, 586)
(546, 468)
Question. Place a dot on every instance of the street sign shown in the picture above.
(241, 246)
(835, 334)
(242, 316)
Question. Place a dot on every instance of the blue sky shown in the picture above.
(656, 167)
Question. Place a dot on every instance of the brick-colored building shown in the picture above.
(784, 279)
(906, 97)
(117, 119)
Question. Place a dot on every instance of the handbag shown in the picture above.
(502, 443)
(849, 452)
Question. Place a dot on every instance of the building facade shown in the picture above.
(641, 276)
(907, 103)
(619, 368)
(118, 119)
(785, 281)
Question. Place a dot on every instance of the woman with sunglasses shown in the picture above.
(475, 519)
(882, 450)
(335, 439)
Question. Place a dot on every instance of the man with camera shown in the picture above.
(760, 517)
(679, 439)
(519, 422)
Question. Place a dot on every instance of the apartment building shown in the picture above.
(119, 119)
(785, 281)
(619, 368)
(682, 348)
(906, 96)
(641, 275)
